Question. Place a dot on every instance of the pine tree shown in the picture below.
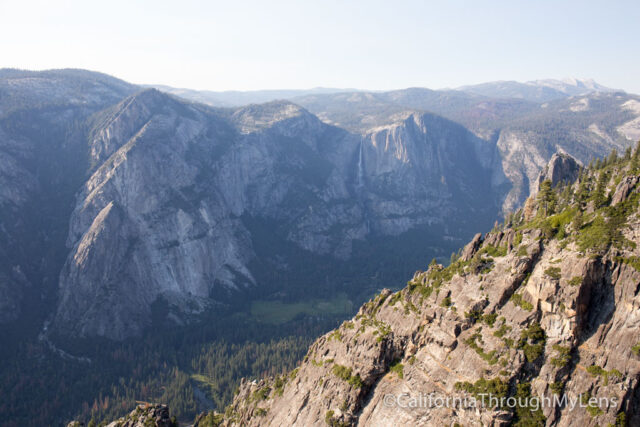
(578, 221)
(566, 196)
(597, 164)
(453, 258)
(509, 219)
(582, 194)
(598, 196)
(547, 199)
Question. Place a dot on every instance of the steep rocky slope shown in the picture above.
(177, 187)
(583, 126)
(189, 205)
(42, 149)
(546, 306)
(527, 122)
(525, 133)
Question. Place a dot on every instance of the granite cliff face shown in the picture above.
(540, 308)
(561, 169)
(524, 123)
(165, 211)
(582, 126)
(42, 164)
(580, 119)
(163, 200)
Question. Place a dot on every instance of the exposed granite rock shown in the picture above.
(163, 214)
(542, 318)
(184, 179)
(624, 189)
(519, 136)
(561, 168)
(145, 415)
(472, 247)
(42, 154)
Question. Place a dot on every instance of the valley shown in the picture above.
(178, 245)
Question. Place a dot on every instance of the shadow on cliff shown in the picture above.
(595, 303)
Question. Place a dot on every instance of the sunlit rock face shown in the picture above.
(163, 212)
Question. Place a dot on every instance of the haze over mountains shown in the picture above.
(528, 122)
(536, 90)
(141, 231)
(235, 98)
(171, 200)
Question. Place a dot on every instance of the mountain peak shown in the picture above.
(571, 85)
(261, 116)
(537, 90)
(24, 88)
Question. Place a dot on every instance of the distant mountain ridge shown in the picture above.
(237, 98)
(153, 197)
(537, 90)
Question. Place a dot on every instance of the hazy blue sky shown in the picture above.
(370, 44)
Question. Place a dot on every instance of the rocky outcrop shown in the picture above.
(145, 415)
(624, 189)
(528, 315)
(561, 169)
(472, 247)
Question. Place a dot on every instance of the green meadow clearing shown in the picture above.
(278, 312)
